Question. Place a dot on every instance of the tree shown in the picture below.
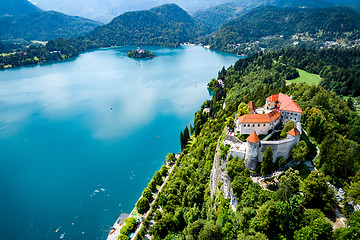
(300, 151)
(319, 229)
(184, 138)
(317, 193)
(158, 178)
(267, 162)
(282, 162)
(142, 205)
(170, 158)
(147, 193)
(339, 158)
(289, 184)
(310, 215)
(288, 126)
(259, 103)
(353, 189)
(352, 231)
(210, 231)
(122, 237)
(243, 109)
(164, 171)
(129, 226)
(152, 185)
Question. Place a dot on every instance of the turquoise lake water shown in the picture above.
(80, 139)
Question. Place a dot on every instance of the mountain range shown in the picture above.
(269, 26)
(44, 26)
(216, 16)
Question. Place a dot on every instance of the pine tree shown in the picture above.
(267, 162)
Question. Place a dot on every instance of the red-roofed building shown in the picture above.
(288, 108)
(282, 107)
(261, 123)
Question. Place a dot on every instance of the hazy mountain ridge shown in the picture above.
(44, 26)
(17, 7)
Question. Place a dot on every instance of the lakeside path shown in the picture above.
(156, 196)
(118, 224)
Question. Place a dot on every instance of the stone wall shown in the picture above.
(288, 116)
(280, 148)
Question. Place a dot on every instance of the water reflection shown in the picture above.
(116, 94)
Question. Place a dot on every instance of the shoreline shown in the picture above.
(115, 232)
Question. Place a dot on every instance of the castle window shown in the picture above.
(249, 125)
(295, 119)
(291, 118)
(258, 125)
(253, 125)
(264, 124)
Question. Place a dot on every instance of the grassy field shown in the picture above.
(40, 42)
(305, 77)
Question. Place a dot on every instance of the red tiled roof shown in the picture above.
(251, 106)
(293, 132)
(286, 103)
(253, 138)
(273, 98)
(260, 118)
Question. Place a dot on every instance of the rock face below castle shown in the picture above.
(278, 109)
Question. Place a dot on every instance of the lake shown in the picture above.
(80, 139)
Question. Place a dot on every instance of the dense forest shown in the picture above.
(44, 26)
(303, 204)
(273, 28)
(166, 25)
(214, 17)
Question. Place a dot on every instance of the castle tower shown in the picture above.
(252, 151)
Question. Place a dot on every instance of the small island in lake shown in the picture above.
(140, 53)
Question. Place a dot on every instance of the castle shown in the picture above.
(279, 108)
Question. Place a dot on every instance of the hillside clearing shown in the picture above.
(305, 77)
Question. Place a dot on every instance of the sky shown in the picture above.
(105, 10)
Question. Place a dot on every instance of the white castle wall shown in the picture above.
(280, 148)
(288, 116)
(259, 128)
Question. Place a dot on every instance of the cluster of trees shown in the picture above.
(143, 204)
(128, 227)
(140, 54)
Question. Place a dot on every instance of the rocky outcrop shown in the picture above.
(220, 182)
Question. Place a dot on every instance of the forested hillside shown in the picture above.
(273, 28)
(300, 208)
(166, 25)
(213, 18)
(44, 26)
